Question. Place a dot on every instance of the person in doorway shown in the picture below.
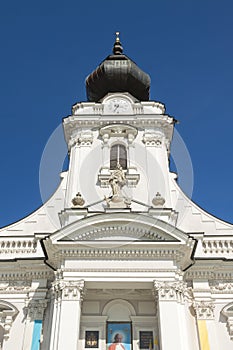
(117, 343)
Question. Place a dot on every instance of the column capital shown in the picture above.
(68, 290)
(204, 309)
(35, 308)
(172, 291)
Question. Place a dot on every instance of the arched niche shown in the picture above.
(119, 310)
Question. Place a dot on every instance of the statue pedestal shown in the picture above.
(117, 203)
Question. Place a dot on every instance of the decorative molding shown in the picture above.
(209, 274)
(124, 254)
(221, 287)
(15, 287)
(204, 309)
(19, 278)
(22, 283)
(172, 291)
(68, 290)
(123, 231)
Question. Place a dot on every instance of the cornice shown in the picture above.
(209, 274)
(9, 276)
(74, 123)
(122, 253)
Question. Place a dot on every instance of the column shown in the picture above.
(67, 313)
(176, 324)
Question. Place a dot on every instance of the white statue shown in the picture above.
(116, 181)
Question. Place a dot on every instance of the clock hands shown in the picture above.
(116, 106)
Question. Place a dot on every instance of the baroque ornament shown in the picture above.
(158, 200)
(78, 200)
(177, 291)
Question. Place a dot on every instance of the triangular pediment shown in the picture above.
(119, 226)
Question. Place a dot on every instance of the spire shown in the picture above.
(117, 48)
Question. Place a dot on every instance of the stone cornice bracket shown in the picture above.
(69, 290)
(204, 309)
(172, 291)
(35, 308)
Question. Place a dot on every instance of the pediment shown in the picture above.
(119, 227)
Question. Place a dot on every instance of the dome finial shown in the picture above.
(117, 37)
(117, 48)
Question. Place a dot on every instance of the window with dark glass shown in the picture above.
(118, 155)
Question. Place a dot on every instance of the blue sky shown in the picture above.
(48, 49)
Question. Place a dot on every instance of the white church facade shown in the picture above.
(119, 257)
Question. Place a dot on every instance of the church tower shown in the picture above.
(119, 257)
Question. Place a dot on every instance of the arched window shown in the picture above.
(118, 155)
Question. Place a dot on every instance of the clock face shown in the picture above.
(118, 105)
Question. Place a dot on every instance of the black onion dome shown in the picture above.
(117, 73)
